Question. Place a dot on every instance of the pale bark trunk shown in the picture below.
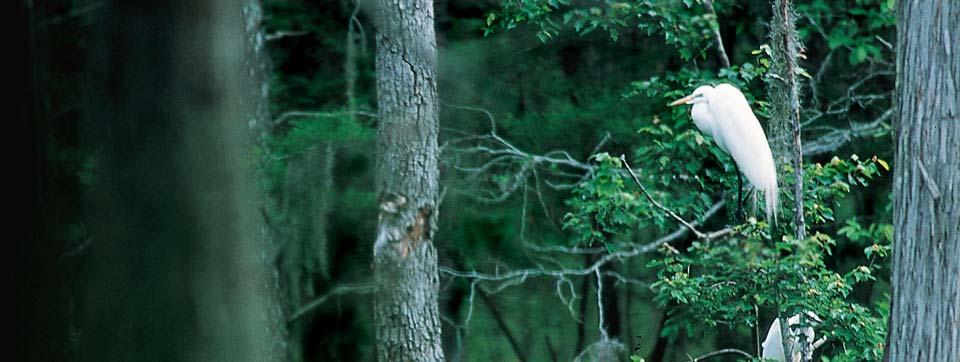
(256, 63)
(784, 93)
(405, 261)
(256, 105)
(925, 310)
(785, 99)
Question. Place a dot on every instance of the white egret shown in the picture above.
(773, 344)
(723, 113)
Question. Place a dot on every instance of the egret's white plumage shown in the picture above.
(773, 344)
(723, 113)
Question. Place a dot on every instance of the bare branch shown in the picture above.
(483, 156)
(721, 51)
(720, 353)
(287, 116)
(283, 34)
(340, 290)
(564, 249)
(836, 138)
(76, 250)
(565, 290)
(78, 12)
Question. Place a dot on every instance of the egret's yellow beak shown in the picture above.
(684, 100)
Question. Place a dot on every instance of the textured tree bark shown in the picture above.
(256, 63)
(784, 92)
(256, 104)
(405, 261)
(925, 310)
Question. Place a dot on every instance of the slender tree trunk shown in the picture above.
(256, 104)
(784, 97)
(405, 260)
(784, 90)
(925, 311)
(256, 63)
(584, 300)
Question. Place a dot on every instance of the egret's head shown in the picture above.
(700, 95)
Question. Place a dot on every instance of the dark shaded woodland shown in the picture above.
(477, 180)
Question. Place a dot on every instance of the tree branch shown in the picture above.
(563, 275)
(721, 51)
(672, 214)
(287, 116)
(340, 290)
(721, 352)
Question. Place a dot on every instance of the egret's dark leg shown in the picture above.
(744, 200)
(736, 215)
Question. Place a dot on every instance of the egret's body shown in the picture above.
(723, 113)
(773, 344)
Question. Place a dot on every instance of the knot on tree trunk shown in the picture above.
(402, 225)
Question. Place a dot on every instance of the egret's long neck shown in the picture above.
(702, 118)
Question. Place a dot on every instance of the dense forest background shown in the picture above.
(576, 92)
(546, 245)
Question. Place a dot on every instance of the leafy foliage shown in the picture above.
(857, 26)
(729, 281)
(682, 23)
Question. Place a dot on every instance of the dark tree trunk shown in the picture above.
(611, 305)
(405, 261)
(584, 300)
(660, 347)
(37, 286)
(925, 310)
(502, 323)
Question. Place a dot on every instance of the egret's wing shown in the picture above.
(745, 141)
(741, 132)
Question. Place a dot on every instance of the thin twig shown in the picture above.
(72, 14)
(287, 116)
(721, 352)
(653, 201)
(343, 289)
(283, 34)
